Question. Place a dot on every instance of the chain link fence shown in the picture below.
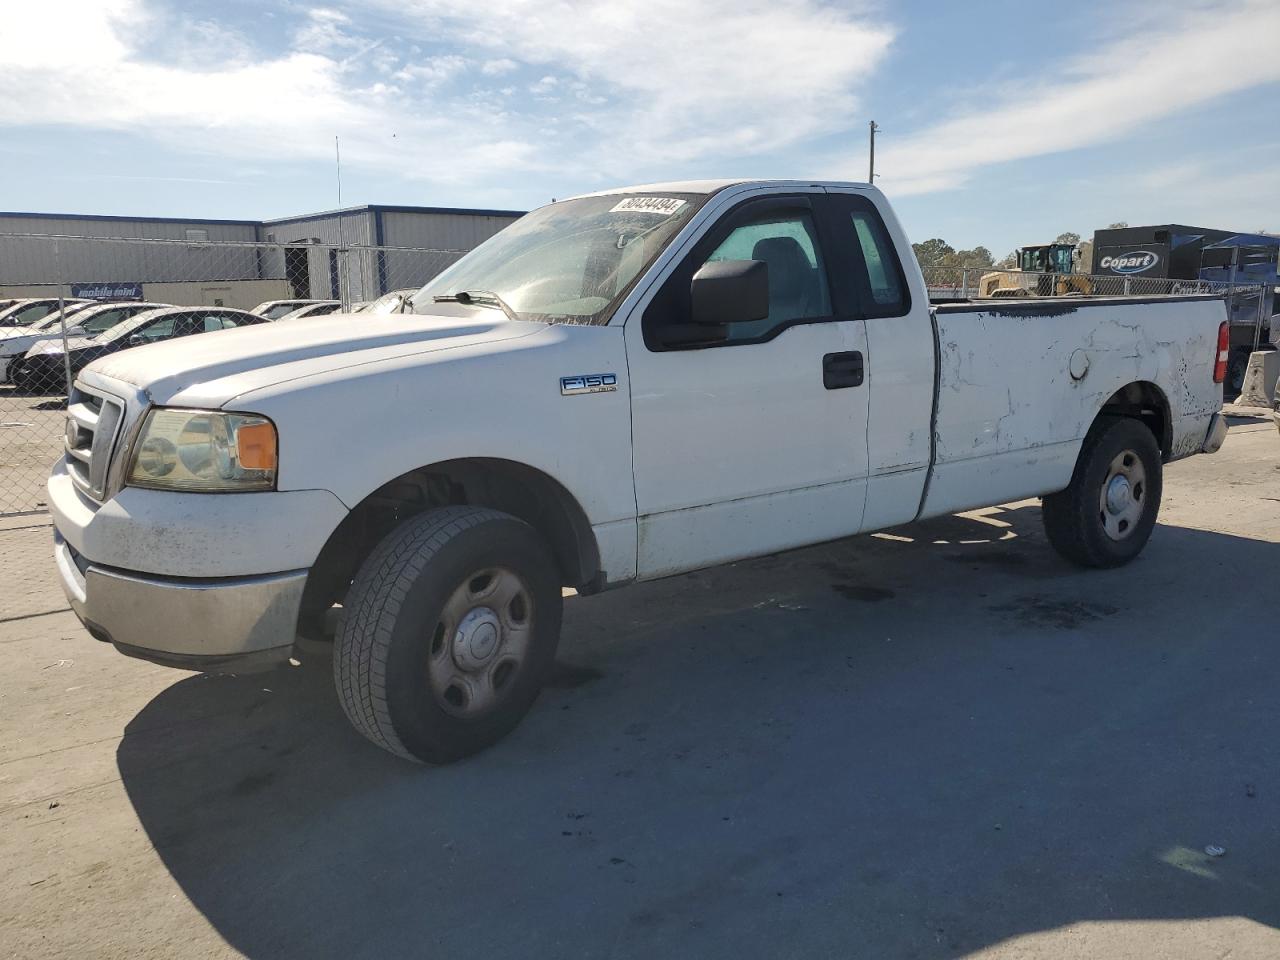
(66, 301)
(1249, 304)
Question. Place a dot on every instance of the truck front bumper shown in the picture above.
(191, 580)
(245, 622)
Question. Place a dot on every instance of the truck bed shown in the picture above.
(1018, 383)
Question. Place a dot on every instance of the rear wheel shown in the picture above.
(1237, 367)
(451, 628)
(1105, 517)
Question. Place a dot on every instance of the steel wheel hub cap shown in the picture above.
(480, 642)
(476, 639)
(1119, 494)
(1124, 495)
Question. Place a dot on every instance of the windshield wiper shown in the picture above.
(482, 298)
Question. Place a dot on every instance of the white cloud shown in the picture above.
(1163, 63)
(325, 30)
(285, 107)
(496, 68)
(724, 78)
(432, 70)
(618, 87)
(590, 93)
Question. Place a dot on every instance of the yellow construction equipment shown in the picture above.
(1044, 270)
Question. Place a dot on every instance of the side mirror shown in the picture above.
(729, 291)
(135, 340)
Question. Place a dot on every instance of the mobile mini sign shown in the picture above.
(106, 291)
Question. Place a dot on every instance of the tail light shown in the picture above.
(1224, 350)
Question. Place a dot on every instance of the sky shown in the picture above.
(1001, 123)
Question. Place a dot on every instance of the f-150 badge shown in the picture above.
(588, 383)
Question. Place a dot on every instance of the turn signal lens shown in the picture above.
(256, 445)
(1224, 351)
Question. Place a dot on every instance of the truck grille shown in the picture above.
(93, 421)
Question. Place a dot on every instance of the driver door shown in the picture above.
(756, 442)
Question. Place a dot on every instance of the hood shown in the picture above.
(211, 368)
(52, 344)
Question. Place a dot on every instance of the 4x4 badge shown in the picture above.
(588, 383)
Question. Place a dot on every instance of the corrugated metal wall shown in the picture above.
(79, 259)
(334, 229)
(130, 229)
(440, 231)
(450, 233)
(355, 226)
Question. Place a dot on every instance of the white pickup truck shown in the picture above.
(617, 387)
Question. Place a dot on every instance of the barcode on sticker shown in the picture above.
(662, 206)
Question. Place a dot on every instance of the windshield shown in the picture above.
(104, 320)
(125, 327)
(393, 302)
(568, 262)
(280, 309)
(1033, 259)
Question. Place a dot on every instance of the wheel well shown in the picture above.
(1144, 401)
(514, 488)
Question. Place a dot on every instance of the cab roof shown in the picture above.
(715, 186)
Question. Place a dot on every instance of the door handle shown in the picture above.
(840, 370)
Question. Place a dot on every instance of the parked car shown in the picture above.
(42, 367)
(617, 387)
(312, 310)
(28, 311)
(275, 309)
(397, 301)
(89, 322)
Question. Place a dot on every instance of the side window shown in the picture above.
(30, 314)
(884, 275)
(210, 322)
(103, 320)
(161, 329)
(788, 243)
(231, 320)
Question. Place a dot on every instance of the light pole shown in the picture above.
(871, 172)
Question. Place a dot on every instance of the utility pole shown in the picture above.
(337, 158)
(871, 172)
(344, 255)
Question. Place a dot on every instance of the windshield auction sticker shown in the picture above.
(661, 206)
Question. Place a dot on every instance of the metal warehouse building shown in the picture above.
(426, 235)
(239, 262)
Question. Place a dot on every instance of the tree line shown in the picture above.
(936, 252)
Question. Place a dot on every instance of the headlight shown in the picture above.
(204, 451)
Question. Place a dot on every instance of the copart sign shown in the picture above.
(1136, 261)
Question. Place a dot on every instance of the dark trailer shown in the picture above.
(1175, 251)
(1170, 251)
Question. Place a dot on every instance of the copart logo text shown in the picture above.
(1139, 261)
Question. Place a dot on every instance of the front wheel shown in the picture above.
(1105, 517)
(451, 629)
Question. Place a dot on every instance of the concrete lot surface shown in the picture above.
(31, 431)
(941, 743)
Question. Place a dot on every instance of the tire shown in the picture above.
(423, 666)
(1237, 367)
(38, 378)
(1087, 527)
